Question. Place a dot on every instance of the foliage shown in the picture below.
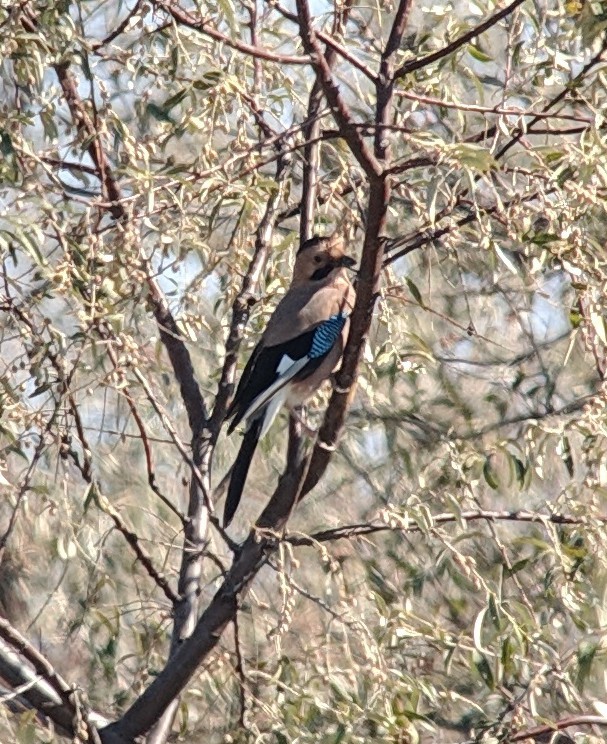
(445, 579)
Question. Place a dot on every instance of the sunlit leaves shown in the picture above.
(475, 425)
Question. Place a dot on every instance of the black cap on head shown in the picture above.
(314, 240)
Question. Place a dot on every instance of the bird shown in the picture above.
(300, 348)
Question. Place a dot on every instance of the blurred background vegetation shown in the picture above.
(470, 602)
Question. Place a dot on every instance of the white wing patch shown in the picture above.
(272, 410)
(284, 364)
(287, 369)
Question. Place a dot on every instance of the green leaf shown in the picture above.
(483, 668)
(553, 156)
(543, 238)
(6, 144)
(479, 55)
(472, 156)
(414, 291)
(575, 318)
(494, 611)
(159, 113)
(490, 474)
(565, 175)
(520, 470)
(507, 655)
(516, 567)
(228, 10)
(564, 450)
(585, 657)
(42, 388)
(174, 100)
(208, 80)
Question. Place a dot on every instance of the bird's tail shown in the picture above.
(240, 469)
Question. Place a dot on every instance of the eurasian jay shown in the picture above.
(299, 349)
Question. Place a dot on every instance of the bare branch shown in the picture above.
(331, 43)
(133, 540)
(42, 666)
(311, 132)
(184, 18)
(497, 110)
(120, 28)
(405, 525)
(384, 88)
(311, 160)
(340, 110)
(565, 723)
(37, 692)
(416, 64)
(179, 355)
(43, 688)
(219, 613)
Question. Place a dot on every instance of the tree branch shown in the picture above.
(36, 691)
(298, 479)
(41, 665)
(180, 358)
(554, 101)
(402, 524)
(340, 110)
(384, 87)
(183, 18)
(189, 580)
(416, 64)
(549, 728)
(219, 613)
(311, 133)
(497, 110)
(86, 128)
(426, 237)
(43, 688)
(120, 28)
(330, 42)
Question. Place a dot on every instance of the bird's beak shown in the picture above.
(347, 262)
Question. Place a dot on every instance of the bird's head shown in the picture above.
(318, 257)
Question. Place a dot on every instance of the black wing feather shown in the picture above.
(245, 378)
(261, 371)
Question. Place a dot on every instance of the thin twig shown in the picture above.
(120, 28)
(203, 26)
(407, 525)
(133, 540)
(497, 110)
(417, 64)
(330, 42)
(340, 110)
(565, 723)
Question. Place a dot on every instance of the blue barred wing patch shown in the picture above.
(326, 335)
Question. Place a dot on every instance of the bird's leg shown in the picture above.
(300, 414)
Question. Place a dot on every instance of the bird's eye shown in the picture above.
(317, 259)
